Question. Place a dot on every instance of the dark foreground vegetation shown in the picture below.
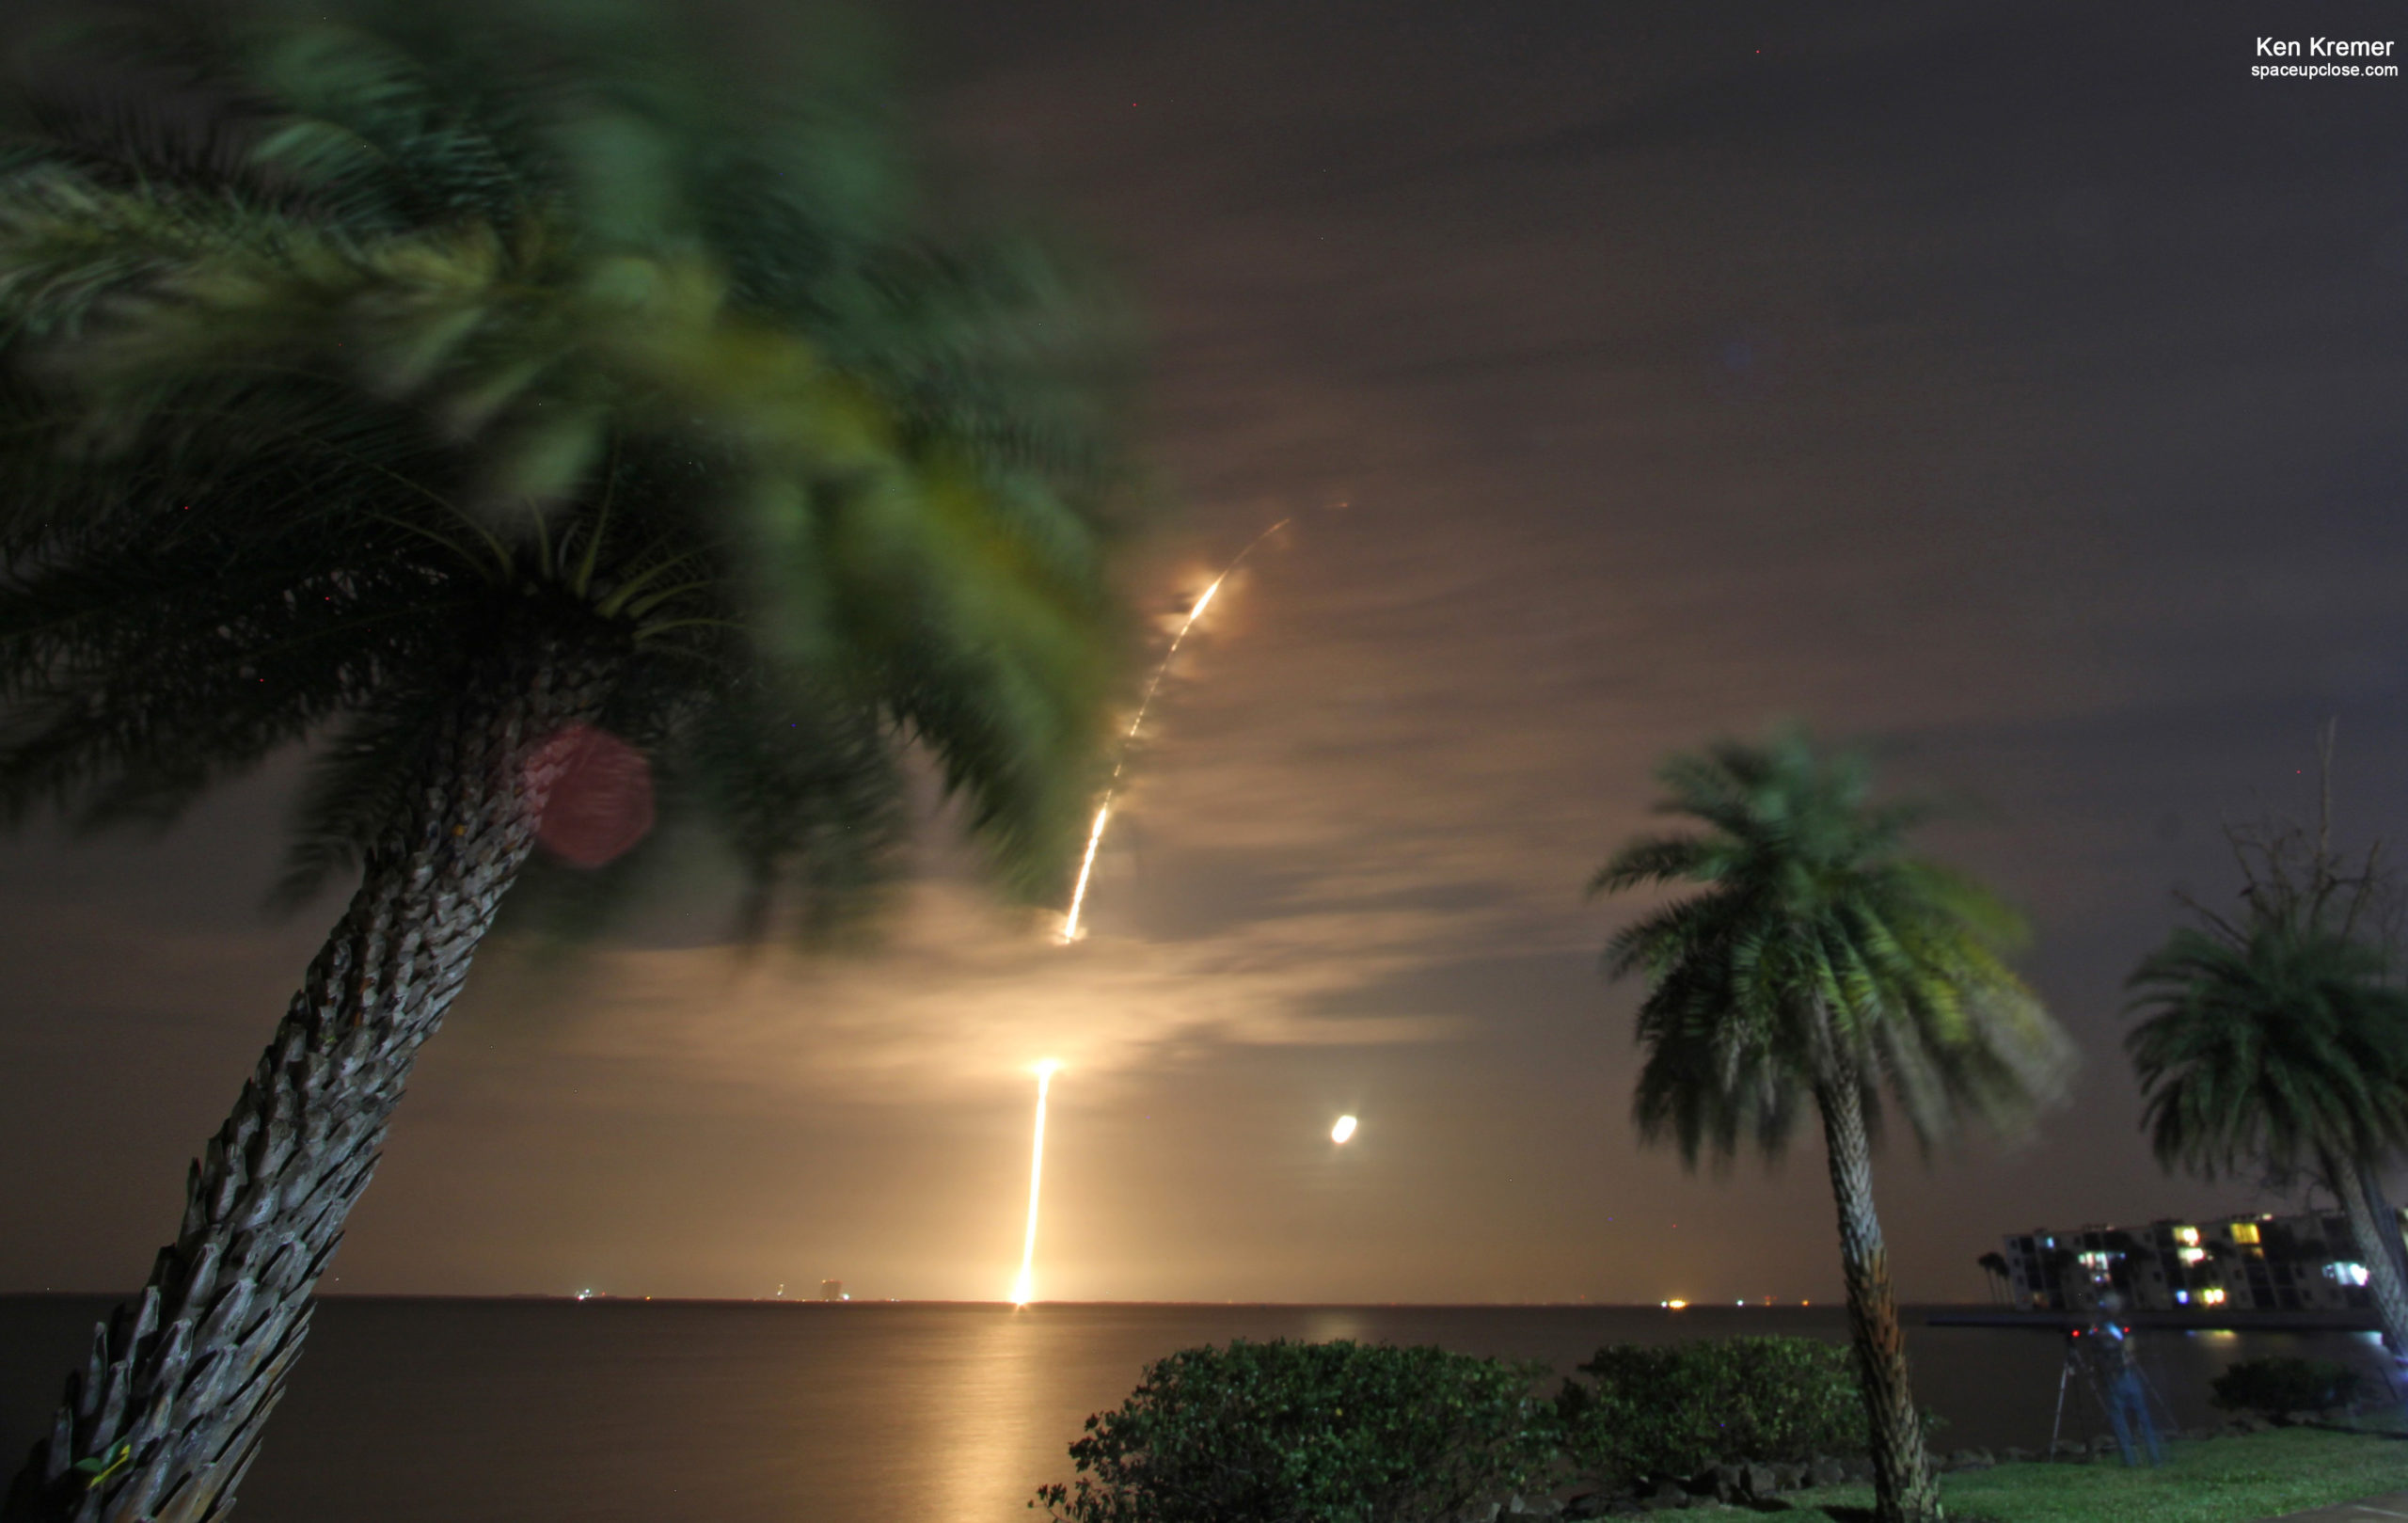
(2280, 1386)
(1347, 1433)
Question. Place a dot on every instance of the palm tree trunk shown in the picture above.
(167, 1413)
(2387, 1218)
(2353, 1181)
(1904, 1489)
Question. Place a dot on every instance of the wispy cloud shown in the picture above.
(960, 999)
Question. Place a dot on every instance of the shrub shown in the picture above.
(2279, 1385)
(1651, 1413)
(1309, 1433)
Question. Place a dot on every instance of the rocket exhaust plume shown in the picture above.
(1024, 1286)
(1103, 806)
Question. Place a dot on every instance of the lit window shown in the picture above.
(2244, 1232)
(2212, 1296)
(2182, 1298)
(2348, 1273)
(2190, 1256)
(2187, 1236)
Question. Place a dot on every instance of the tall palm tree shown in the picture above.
(467, 389)
(1818, 963)
(2280, 1042)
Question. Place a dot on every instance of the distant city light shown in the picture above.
(1344, 1129)
(1674, 1306)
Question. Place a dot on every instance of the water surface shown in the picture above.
(477, 1411)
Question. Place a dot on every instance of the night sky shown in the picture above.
(2015, 389)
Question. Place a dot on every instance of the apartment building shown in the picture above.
(2303, 1263)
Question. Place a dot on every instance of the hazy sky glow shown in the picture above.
(2017, 388)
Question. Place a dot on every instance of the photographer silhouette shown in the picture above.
(2115, 1364)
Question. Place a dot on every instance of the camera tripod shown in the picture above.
(2064, 1377)
(2150, 1398)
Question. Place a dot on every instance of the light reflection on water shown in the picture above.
(1336, 1324)
(988, 1414)
(618, 1412)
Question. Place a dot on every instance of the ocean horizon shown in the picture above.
(498, 1409)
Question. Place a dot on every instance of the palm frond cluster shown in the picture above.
(333, 348)
(1817, 954)
(2275, 1042)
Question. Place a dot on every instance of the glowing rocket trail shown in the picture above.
(1022, 1287)
(1103, 808)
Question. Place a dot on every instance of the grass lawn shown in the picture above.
(2205, 1480)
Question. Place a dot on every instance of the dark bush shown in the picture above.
(1310, 1432)
(1646, 1413)
(2279, 1385)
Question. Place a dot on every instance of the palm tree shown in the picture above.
(1997, 1274)
(2280, 1043)
(466, 389)
(1819, 963)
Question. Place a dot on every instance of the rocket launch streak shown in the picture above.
(1103, 808)
(1024, 1286)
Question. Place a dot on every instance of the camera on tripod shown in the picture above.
(2111, 1370)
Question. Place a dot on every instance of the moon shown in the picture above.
(1344, 1129)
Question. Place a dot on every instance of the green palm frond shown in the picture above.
(1817, 954)
(2280, 1043)
(409, 317)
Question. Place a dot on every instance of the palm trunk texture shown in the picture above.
(2378, 1249)
(2370, 1185)
(1904, 1488)
(166, 1414)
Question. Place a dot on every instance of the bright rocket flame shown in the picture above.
(1023, 1287)
(1344, 1129)
(1103, 808)
(1086, 865)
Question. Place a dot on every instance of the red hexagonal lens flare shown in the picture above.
(601, 804)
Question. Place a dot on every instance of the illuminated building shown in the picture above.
(2257, 1262)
